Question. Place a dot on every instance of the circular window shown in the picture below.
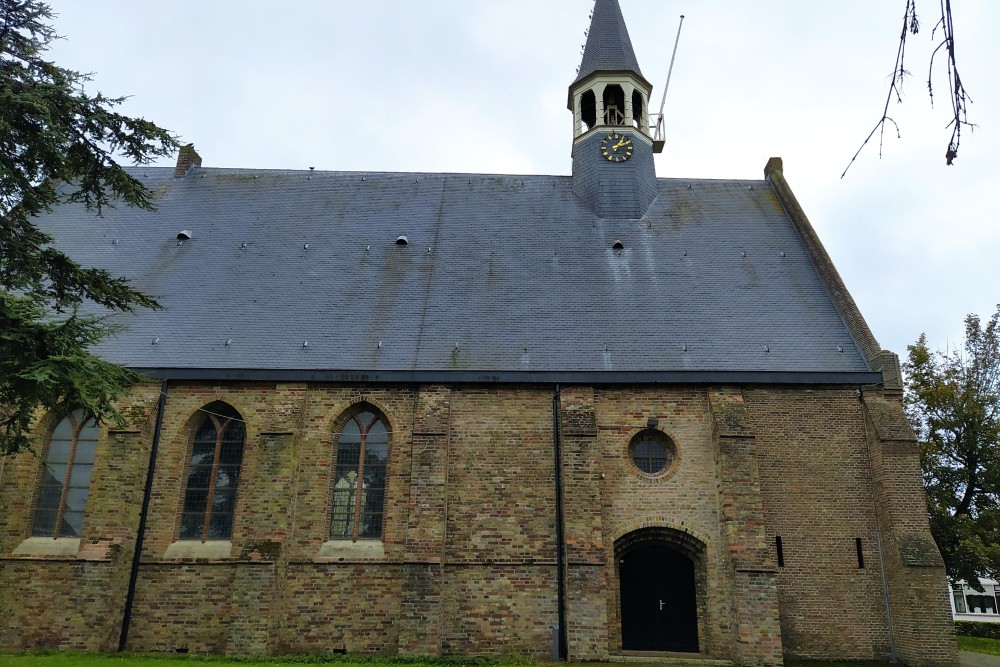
(652, 452)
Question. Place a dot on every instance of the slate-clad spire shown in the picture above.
(613, 171)
(608, 45)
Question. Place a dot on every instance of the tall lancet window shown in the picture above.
(360, 478)
(213, 475)
(69, 461)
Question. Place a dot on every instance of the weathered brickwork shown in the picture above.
(468, 559)
(743, 531)
(818, 498)
(335, 607)
(502, 609)
(676, 500)
(922, 630)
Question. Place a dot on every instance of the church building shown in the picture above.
(595, 416)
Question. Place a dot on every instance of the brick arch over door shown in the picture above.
(662, 590)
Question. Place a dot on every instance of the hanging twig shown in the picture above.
(959, 97)
(910, 26)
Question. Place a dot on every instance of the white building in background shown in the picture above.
(968, 604)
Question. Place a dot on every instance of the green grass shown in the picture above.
(87, 660)
(70, 659)
(979, 645)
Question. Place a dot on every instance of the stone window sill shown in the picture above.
(196, 549)
(65, 547)
(335, 550)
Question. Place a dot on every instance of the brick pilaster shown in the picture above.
(922, 629)
(420, 607)
(586, 574)
(755, 595)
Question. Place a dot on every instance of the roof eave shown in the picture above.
(852, 378)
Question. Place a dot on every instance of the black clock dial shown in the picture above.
(616, 147)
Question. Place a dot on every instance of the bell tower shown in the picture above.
(613, 171)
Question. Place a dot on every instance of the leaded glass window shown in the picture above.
(213, 475)
(360, 478)
(652, 452)
(69, 463)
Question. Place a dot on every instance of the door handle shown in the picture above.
(661, 605)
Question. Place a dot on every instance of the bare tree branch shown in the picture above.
(912, 26)
(959, 97)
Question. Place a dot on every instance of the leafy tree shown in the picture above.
(953, 400)
(52, 131)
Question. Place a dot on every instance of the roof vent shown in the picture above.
(184, 235)
(402, 240)
(618, 245)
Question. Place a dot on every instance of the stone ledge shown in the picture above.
(363, 550)
(48, 546)
(193, 549)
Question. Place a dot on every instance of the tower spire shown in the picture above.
(613, 170)
(609, 48)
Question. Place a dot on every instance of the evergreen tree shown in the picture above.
(52, 131)
(953, 399)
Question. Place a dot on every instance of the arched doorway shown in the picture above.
(658, 594)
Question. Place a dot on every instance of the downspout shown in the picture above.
(878, 534)
(143, 512)
(562, 634)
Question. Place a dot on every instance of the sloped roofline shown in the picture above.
(884, 362)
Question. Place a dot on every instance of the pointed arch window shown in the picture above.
(360, 479)
(213, 475)
(69, 463)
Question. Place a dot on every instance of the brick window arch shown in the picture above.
(65, 486)
(213, 475)
(359, 478)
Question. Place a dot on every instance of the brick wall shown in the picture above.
(818, 498)
(468, 557)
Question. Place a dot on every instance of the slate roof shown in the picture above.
(608, 47)
(502, 274)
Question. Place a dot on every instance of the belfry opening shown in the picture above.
(614, 105)
(659, 594)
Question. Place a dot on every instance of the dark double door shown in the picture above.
(659, 608)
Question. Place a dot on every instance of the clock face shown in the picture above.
(616, 147)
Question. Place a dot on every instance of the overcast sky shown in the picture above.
(481, 86)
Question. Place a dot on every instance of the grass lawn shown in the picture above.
(89, 660)
(68, 659)
(979, 645)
